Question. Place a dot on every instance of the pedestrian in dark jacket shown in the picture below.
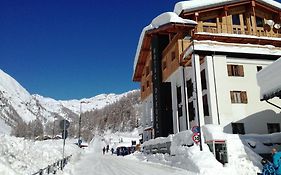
(276, 156)
(103, 150)
(268, 168)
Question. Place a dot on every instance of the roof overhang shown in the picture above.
(169, 28)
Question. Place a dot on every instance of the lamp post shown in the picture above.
(79, 134)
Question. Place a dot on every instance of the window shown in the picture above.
(235, 70)
(238, 97)
(235, 19)
(203, 80)
(179, 100)
(259, 21)
(205, 105)
(189, 86)
(147, 70)
(273, 127)
(173, 55)
(238, 128)
(164, 64)
(259, 68)
(191, 111)
(212, 20)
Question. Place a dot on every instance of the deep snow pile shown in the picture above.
(242, 159)
(20, 156)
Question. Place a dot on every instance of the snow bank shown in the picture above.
(269, 80)
(213, 132)
(242, 159)
(20, 156)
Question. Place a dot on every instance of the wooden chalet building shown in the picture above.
(198, 66)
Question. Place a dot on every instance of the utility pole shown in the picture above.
(79, 134)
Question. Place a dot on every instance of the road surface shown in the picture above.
(93, 162)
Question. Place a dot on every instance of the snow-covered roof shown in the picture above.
(269, 80)
(162, 19)
(192, 5)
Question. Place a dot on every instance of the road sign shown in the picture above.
(66, 124)
(195, 129)
(66, 134)
(196, 138)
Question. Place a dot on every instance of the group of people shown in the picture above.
(273, 168)
(107, 149)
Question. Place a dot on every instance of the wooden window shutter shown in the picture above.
(244, 98)
(229, 70)
(241, 70)
(232, 97)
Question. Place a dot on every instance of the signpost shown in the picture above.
(64, 124)
(196, 134)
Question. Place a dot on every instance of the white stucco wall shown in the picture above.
(255, 114)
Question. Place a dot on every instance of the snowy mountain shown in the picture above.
(17, 104)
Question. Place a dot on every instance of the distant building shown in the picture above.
(199, 63)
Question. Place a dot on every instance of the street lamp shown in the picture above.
(79, 134)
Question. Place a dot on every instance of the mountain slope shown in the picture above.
(17, 104)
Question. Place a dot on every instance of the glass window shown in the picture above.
(212, 20)
(273, 127)
(259, 21)
(179, 100)
(203, 80)
(205, 105)
(238, 128)
(259, 68)
(236, 19)
(191, 111)
(189, 85)
(238, 97)
(235, 70)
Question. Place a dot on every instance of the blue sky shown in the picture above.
(71, 49)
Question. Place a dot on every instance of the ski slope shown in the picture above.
(93, 162)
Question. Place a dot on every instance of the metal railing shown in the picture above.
(158, 148)
(53, 168)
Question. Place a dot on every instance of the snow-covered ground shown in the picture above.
(19, 156)
(94, 162)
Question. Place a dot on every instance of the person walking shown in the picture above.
(268, 168)
(103, 150)
(276, 156)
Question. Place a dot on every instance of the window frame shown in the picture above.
(238, 128)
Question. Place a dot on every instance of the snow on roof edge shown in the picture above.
(192, 5)
(162, 19)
